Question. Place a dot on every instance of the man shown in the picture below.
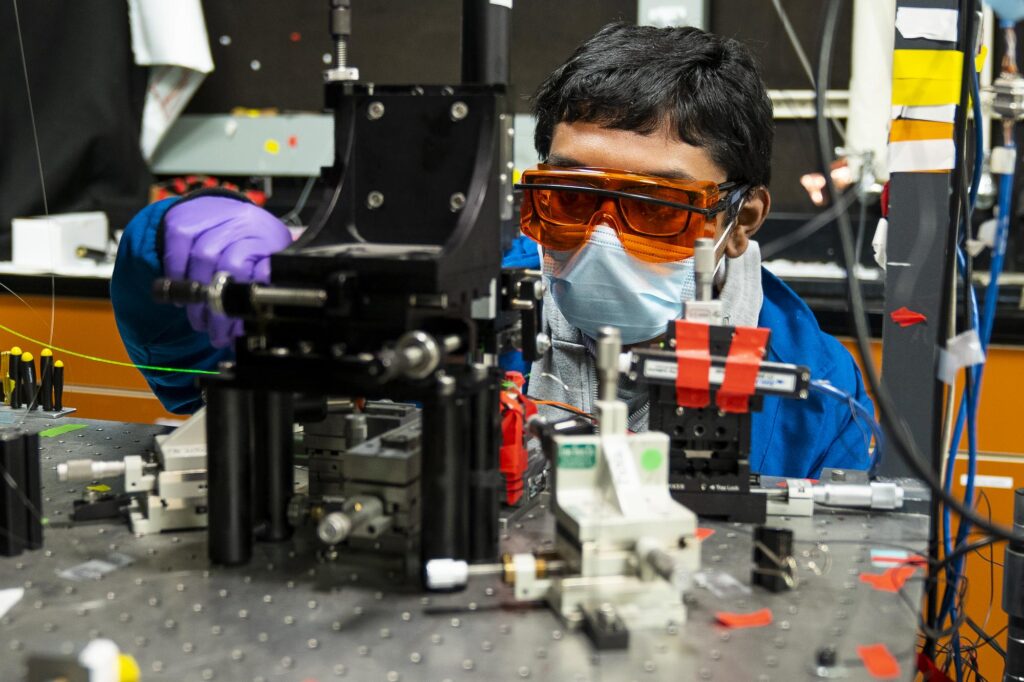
(676, 115)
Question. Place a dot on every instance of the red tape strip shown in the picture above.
(693, 363)
(879, 661)
(745, 354)
(905, 317)
(890, 580)
(757, 619)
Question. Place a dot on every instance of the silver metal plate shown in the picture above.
(290, 616)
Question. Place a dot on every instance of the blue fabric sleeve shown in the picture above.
(849, 446)
(797, 438)
(522, 254)
(153, 333)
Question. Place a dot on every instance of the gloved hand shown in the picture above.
(207, 235)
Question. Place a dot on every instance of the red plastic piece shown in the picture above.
(693, 362)
(736, 621)
(885, 200)
(515, 409)
(906, 317)
(879, 661)
(295, 36)
(704, 533)
(256, 196)
(890, 580)
(931, 672)
(745, 354)
(293, 141)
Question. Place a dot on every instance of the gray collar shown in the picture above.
(741, 293)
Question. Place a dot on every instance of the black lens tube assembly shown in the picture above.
(250, 468)
(485, 41)
(1013, 595)
(228, 421)
(486, 482)
(273, 466)
(21, 503)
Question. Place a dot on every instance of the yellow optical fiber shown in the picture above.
(105, 361)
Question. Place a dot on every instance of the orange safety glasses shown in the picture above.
(656, 219)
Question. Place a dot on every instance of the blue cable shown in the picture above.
(859, 410)
(969, 400)
(972, 390)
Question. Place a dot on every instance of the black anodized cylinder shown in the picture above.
(485, 477)
(228, 418)
(274, 472)
(444, 482)
(485, 41)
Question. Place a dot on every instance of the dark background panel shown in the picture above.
(757, 26)
(545, 33)
(398, 41)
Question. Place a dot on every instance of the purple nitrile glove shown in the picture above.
(207, 235)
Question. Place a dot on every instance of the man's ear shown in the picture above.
(755, 209)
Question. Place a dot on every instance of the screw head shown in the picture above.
(374, 200)
(457, 202)
(459, 110)
(375, 110)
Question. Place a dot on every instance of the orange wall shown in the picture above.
(998, 428)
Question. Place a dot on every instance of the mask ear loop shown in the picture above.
(734, 216)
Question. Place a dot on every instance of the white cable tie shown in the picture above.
(987, 233)
(1002, 160)
(878, 242)
(963, 350)
(975, 247)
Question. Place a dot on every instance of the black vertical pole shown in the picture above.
(33, 491)
(14, 513)
(228, 417)
(274, 474)
(485, 41)
(485, 477)
(443, 481)
(258, 462)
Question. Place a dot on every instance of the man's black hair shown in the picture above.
(636, 78)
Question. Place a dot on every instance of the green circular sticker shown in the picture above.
(650, 459)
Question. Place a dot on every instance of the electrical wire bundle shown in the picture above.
(902, 440)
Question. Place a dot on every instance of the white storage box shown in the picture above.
(49, 242)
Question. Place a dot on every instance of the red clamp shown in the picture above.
(693, 364)
(515, 409)
(744, 360)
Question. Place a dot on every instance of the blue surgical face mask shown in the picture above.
(600, 284)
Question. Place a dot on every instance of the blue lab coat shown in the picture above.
(822, 429)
